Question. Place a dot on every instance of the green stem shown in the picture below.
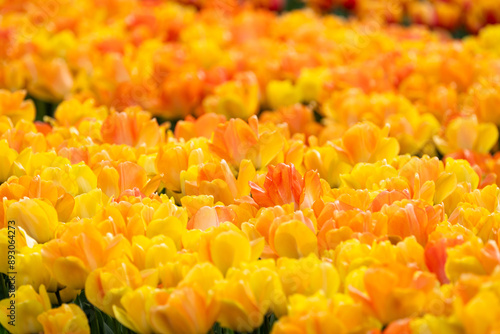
(59, 300)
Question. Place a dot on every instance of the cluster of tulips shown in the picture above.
(314, 175)
(229, 221)
(448, 14)
(175, 61)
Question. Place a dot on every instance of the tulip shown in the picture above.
(80, 249)
(247, 295)
(226, 246)
(31, 270)
(105, 286)
(28, 306)
(365, 142)
(236, 140)
(309, 315)
(307, 276)
(10, 156)
(15, 107)
(132, 127)
(285, 185)
(72, 112)
(468, 134)
(403, 293)
(293, 237)
(235, 98)
(36, 217)
(183, 310)
(282, 94)
(171, 160)
(68, 318)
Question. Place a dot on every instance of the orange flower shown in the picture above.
(80, 249)
(365, 142)
(202, 126)
(237, 140)
(285, 185)
(394, 291)
(133, 127)
(411, 217)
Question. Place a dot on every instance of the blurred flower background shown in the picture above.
(262, 166)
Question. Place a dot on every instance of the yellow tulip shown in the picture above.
(282, 94)
(247, 295)
(227, 246)
(80, 249)
(135, 311)
(19, 314)
(88, 204)
(13, 105)
(238, 98)
(366, 142)
(312, 314)
(183, 310)
(466, 133)
(307, 276)
(31, 270)
(35, 216)
(66, 319)
(105, 286)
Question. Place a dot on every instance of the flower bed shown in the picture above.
(222, 168)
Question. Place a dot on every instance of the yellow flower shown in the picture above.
(79, 249)
(282, 94)
(72, 112)
(227, 246)
(466, 133)
(15, 107)
(310, 83)
(183, 310)
(170, 162)
(66, 319)
(151, 253)
(394, 291)
(365, 142)
(88, 204)
(247, 295)
(314, 314)
(238, 98)
(35, 216)
(8, 157)
(307, 276)
(28, 305)
(327, 161)
(105, 286)
(31, 270)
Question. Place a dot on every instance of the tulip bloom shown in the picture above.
(308, 275)
(236, 140)
(131, 127)
(105, 286)
(466, 133)
(80, 249)
(14, 106)
(285, 185)
(227, 246)
(394, 291)
(365, 142)
(36, 217)
(66, 319)
(247, 295)
(29, 305)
